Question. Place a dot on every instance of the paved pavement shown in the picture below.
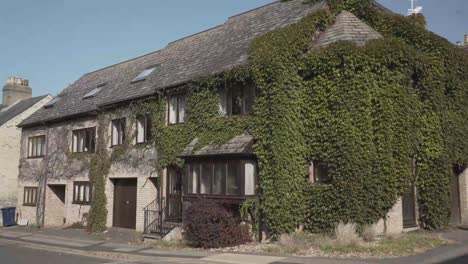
(39, 248)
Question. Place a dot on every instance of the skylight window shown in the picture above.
(142, 76)
(93, 92)
(52, 102)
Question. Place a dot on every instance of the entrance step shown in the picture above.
(152, 236)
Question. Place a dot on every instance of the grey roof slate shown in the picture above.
(238, 145)
(12, 111)
(347, 28)
(205, 53)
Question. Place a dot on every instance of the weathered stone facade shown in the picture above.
(56, 173)
(10, 137)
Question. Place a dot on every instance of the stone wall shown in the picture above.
(10, 137)
(62, 168)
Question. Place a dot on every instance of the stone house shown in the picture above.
(55, 188)
(17, 105)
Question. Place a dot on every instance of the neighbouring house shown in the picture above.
(106, 118)
(17, 105)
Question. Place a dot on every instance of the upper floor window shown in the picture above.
(318, 172)
(30, 196)
(118, 131)
(143, 128)
(176, 111)
(84, 140)
(237, 100)
(36, 147)
(82, 192)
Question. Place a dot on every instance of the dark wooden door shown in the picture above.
(174, 195)
(455, 216)
(409, 208)
(125, 197)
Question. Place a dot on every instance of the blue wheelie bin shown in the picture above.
(8, 214)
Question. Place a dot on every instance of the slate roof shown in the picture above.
(238, 145)
(12, 111)
(347, 28)
(205, 53)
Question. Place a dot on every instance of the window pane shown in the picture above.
(249, 187)
(81, 193)
(86, 193)
(92, 146)
(33, 151)
(249, 96)
(222, 101)
(148, 127)
(232, 180)
(205, 179)
(193, 176)
(122, 131)
(219, 178)
(321, 172)
(173, 110)
(77, 193)
(181, 109)
(140, 130)
(237, 100)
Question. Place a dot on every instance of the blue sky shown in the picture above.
(53, 42)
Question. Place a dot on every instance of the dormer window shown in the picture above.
(145, 73)
(237, 100)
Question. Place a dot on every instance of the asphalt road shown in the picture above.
(14, 254)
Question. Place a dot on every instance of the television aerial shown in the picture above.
(414, 9)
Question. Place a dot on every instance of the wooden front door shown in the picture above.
(125, 197)
(455, 213)
(174, 195)
(409, 208)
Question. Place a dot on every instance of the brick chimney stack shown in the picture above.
(14, 90)
(466, 40)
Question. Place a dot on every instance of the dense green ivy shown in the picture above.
(384, 116)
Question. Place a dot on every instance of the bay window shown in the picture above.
(221, 178)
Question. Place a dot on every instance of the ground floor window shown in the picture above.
(221, 177)
(82, 192)
(30, 196)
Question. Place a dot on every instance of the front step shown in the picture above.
(152, 236)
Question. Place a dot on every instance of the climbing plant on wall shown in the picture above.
(383, 116)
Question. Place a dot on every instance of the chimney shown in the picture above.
(466, 40)
(14, 90)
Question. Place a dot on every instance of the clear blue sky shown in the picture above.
(53, 42)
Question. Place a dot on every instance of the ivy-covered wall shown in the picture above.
(384, 116)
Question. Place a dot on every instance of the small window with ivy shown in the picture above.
(237, 100)
(319, 172)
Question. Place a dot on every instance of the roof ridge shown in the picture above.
(248, 11)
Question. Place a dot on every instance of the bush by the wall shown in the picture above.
(208, 224)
